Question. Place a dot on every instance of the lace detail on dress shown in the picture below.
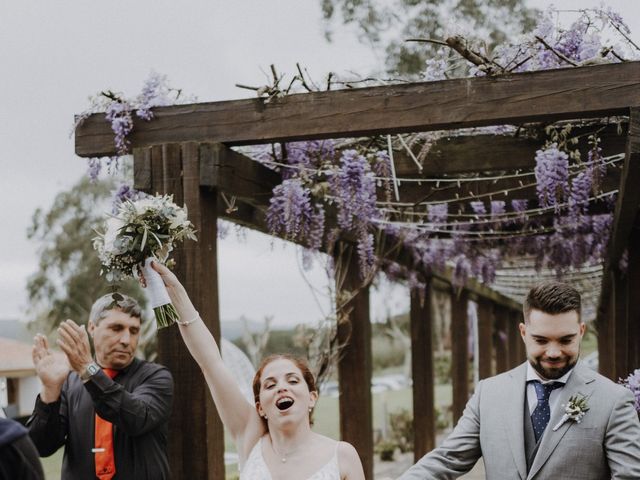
(256, 469)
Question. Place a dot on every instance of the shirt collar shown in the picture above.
(533, 375)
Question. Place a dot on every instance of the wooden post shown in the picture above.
(620, 324)
(606, 362)
(354, 366)
(517, 353)
(196, 441)
(500, 339)
(633, 275)
(485, 338)
(424, 414)
(513, 338)
(459, 352)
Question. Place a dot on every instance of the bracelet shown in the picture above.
(189, 322)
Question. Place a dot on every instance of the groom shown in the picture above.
(515, 420)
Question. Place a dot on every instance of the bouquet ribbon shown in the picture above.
(156, 290)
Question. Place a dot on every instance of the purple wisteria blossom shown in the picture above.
(155, 93)
(122, 194)
(355, 190)
(438, 212)
(552, 175)
(478, 208)
(119, 115)
(290, 212)
(94, 167)
(579, 196)
(632, 382)
(519, 206)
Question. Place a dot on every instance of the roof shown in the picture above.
(15, 358)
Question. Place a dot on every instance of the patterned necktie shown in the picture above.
(541, 415)
(103, 451)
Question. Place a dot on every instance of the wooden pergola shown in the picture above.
(185, 151)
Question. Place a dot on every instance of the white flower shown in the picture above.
(574, 410)
(113, 226)
(179, 218)
(144, 204)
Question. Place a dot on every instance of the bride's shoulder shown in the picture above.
(349, 461)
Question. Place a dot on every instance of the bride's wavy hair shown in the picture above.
(299, 362)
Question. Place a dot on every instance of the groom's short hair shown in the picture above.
(552, 298)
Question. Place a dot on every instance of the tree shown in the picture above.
(388, 24)
(68, 278)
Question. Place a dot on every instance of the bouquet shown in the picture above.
(140, 231)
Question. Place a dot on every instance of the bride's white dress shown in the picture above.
(256, 469)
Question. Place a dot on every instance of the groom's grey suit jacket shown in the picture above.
(605, 445)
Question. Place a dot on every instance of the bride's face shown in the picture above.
(284, 395)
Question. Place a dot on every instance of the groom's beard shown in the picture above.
(555, 372)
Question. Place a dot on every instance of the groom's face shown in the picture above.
(552, 342)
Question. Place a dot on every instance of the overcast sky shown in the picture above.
(54, 54)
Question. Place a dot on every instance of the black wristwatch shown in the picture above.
(90, 371)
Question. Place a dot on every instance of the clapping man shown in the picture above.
(110, 412)
(551, 417)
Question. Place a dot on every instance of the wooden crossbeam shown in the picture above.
(506, 99)
(487, 152)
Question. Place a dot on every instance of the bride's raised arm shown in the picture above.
(239, 416)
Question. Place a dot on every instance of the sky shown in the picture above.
(54, 55)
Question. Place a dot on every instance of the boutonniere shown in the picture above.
(574, 410)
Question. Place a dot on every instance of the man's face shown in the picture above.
(115, 339)
(552, 342)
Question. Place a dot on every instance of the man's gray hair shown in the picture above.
(114, 301)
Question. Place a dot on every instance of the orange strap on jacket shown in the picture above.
(103, 451)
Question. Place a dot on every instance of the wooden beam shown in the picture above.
(593, 91)
(173, 169)
(485, 153)
(354, 364)
(424, 413)
(621, 302)
(459, 352)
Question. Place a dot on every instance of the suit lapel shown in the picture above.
(514, 410)
(578, 384)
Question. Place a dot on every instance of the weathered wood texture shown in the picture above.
(524, 97)
(485, 339)
(459, 352)
(614, 293)
(500, 339)
(173, 169)
(354, 365)
(633, 275)
(424, 413)
(516, 346)
(486, 153)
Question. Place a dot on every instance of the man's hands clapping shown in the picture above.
(74, 342)
(52, 368)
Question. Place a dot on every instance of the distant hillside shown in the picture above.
(233, 329)
(16, 330)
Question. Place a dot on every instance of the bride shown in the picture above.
(273, 438)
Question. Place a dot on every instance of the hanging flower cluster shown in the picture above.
(119, 112)
(319, 172)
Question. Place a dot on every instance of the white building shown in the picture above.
(19, 385)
